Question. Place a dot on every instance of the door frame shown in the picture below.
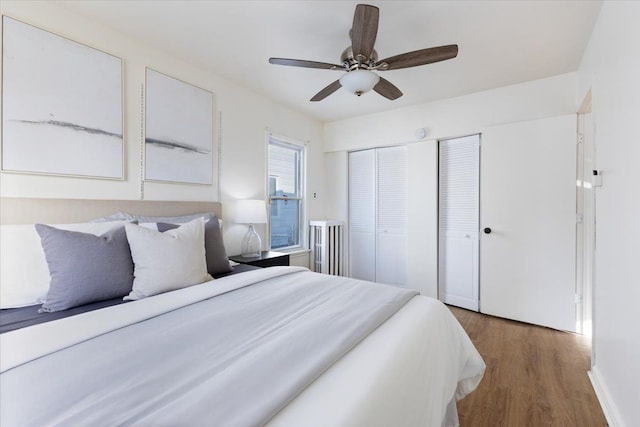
(586, 243)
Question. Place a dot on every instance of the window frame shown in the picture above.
(301, 190)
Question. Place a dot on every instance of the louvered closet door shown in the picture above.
(459, 210)
(362, 214)
(391, 241)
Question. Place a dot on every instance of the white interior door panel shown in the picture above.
(362, 215)
(459, 210)
(459, 269)
(527, 187)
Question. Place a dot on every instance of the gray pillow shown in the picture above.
(85, 268)
(217, 260)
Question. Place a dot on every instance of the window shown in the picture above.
(286, 193)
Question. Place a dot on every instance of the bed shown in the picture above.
(280, 346)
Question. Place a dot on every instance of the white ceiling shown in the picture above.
(500, 43)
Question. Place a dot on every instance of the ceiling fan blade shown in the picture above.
(305, 64)
(327, 91)
(419, 57)
(364, 31)
(387, 89)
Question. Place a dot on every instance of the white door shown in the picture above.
(362, 214)
(378, 214)
(527, 262)
(391, 224)
(459, 211)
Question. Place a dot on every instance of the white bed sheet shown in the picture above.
(399, 376)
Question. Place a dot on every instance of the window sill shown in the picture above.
(292, 252)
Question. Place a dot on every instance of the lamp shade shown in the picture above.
(359, 81)
(251, 212)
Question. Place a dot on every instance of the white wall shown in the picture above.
(452, 117)
(246, 117)
(554, 96)
(611, 68)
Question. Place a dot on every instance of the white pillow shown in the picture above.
(151, 225)
(24, 273)
(150, 221)
(182, 219)
(166, 261)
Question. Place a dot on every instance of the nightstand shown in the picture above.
(266, 259)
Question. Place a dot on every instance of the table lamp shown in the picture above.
(251, 212)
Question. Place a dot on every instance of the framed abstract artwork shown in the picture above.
(178, 131)
(61, 105)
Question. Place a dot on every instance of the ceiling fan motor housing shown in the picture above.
(350, 63)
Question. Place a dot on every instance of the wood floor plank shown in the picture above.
(535, 376)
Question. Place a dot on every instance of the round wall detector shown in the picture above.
(421, 133)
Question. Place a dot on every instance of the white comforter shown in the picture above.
(46, 381)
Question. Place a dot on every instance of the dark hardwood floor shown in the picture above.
(535, 376)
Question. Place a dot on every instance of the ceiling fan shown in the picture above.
(360, 59)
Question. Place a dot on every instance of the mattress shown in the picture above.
(279, 346)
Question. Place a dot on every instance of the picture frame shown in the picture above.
(179, 131)
(62, 105)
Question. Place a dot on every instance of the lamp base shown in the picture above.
(251, 245)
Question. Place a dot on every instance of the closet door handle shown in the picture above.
(487, 230)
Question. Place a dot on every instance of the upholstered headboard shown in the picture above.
(60, 211)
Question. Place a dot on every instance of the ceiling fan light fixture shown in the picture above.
(359, 81)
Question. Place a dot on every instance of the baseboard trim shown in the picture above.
(603, 397)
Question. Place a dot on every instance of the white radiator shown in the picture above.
(327, 247)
